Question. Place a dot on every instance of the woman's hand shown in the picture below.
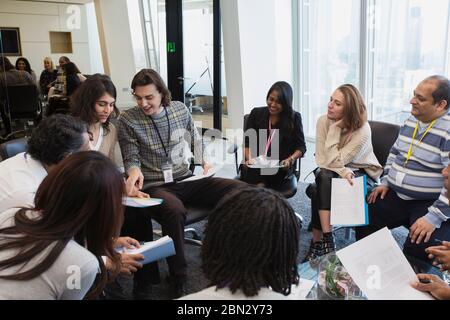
(249, 162)
(350, 176)
(287, 163)
(126, 242)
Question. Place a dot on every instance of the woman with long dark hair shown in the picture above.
(23, 64)
(281, 128)
(53, 251)
(95, 103)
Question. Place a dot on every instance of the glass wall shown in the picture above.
(330, 55)
(384, 47)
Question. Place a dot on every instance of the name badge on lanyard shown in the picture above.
(167, 167)
(167, 170)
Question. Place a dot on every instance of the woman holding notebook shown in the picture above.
(281, 128)
(343, 150)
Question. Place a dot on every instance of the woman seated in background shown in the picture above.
(343, 149)
(71, 72)
(23, 64)
(95, 103)
(250, 248)
(48, 75)
(54, 250)
(282, 127)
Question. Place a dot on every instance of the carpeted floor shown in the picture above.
(196, 281)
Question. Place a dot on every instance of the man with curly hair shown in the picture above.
(55, 138)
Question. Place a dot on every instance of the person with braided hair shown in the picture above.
(250, 248)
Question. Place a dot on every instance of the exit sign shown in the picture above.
(171, 46)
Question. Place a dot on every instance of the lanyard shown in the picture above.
(166, 150)
(411, 150)
(270, 138)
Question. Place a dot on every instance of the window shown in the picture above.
(409, 43)
(329, 53)
(384, 47)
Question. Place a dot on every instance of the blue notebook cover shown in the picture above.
(154, 250)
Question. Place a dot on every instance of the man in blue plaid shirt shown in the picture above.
(152, 137)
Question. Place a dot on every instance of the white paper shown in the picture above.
(141, 202)
(262, 162)
(348, 203)
(153, 250)
(210, 173)
(302, 290)
(380, 269)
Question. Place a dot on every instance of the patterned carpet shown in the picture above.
(196, 280)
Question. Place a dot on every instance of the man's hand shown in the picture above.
(135, 181)
(436, 286)
(421, 230)
(378, 191)
(440, 255)
(249, 162)
(126, 242)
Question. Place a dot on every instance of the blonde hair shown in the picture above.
(355, 111)
(51, 62)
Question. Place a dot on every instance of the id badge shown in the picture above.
(167, 172)
(399, 178)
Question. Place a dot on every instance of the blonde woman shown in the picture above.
(343, 149)
(48, 75)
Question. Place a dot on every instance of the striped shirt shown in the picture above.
(142, 148)
(421, 177)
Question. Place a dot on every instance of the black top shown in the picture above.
(46, 78)
(73, 82)
(289, 141)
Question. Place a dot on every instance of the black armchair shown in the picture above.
(23, 102)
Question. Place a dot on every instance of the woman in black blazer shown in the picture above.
(274, 132)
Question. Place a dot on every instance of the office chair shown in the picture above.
(13, 147)
(23, 103)
(384, 136)
(288, 188)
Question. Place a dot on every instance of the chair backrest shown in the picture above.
(384, 136)
(11, 148)
(23, 101)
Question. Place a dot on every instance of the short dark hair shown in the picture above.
(252, 242)
(442, 92)
(150, 76)
(56, 137)
(82, 102)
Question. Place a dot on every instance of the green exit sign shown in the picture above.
(171, 46)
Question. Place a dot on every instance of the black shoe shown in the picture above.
(177, 288)
(328, 243)
(315, 251)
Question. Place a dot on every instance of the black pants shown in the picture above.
(171, 214)
(271, 180)
(393, 212)
(5, 118)
(321, 199)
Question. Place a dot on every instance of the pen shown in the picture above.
(438, 241)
